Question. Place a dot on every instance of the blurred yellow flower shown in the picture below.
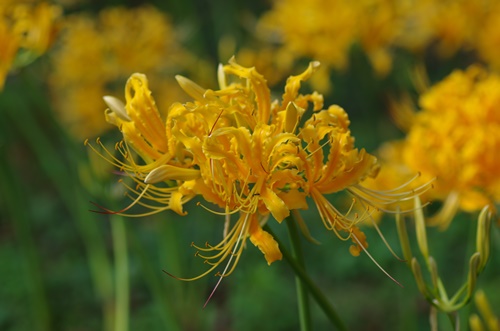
(26, 32)
(488, 39)
(456, 136)
(245, 153)
(119, 41)
(315, 34)
(9, 44)
(380, 23)
(327, 30)
(453, 138)
(451, 26)
(271, 62)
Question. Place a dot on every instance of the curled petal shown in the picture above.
(191, 88)
(293, 83)
(169, 172)
(176, 203)
(275, 204)
(117, 106)
(291, 117)
(264, 241)
(259, 86)
(364, 165)
(294, 199)
(144, 129)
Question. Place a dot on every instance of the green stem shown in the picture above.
(119, 234)
(302, 293)
(454, 320)
(433, 318)
(321, 300)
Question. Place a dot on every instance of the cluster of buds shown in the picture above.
(435, 293)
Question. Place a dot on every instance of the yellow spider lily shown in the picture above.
(245, 153)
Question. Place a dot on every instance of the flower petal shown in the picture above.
(169, 172)
(264, 241)
(274, 204)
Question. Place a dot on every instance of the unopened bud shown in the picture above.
(420, 228)
(403, 238)
(483, 237)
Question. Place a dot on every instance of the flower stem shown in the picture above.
(316, 293)
(454, 320)
(119, 235)
(302, 293)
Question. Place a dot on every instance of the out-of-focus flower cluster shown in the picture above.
(245, 153)
(97, 54)
(454, 138)
(326, 30)
(27, 30)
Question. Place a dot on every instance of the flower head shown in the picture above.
(246, 154)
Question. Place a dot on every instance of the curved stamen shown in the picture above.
(374, 261)
(119, 212)
(244, 227)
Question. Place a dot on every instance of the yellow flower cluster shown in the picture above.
(455, 138)
(26, 32)
(245, 153)
(96, 55)
(326, 30)
(313, 33)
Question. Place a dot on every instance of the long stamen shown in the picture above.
(243, 229)
(374, 261)
(119, 212)
(228, 246)
(390, 195)
(112, 159)
(380, 199)
(317, 149)
(384, 240)
(234, 211)
(227, 223)
(216, 120)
